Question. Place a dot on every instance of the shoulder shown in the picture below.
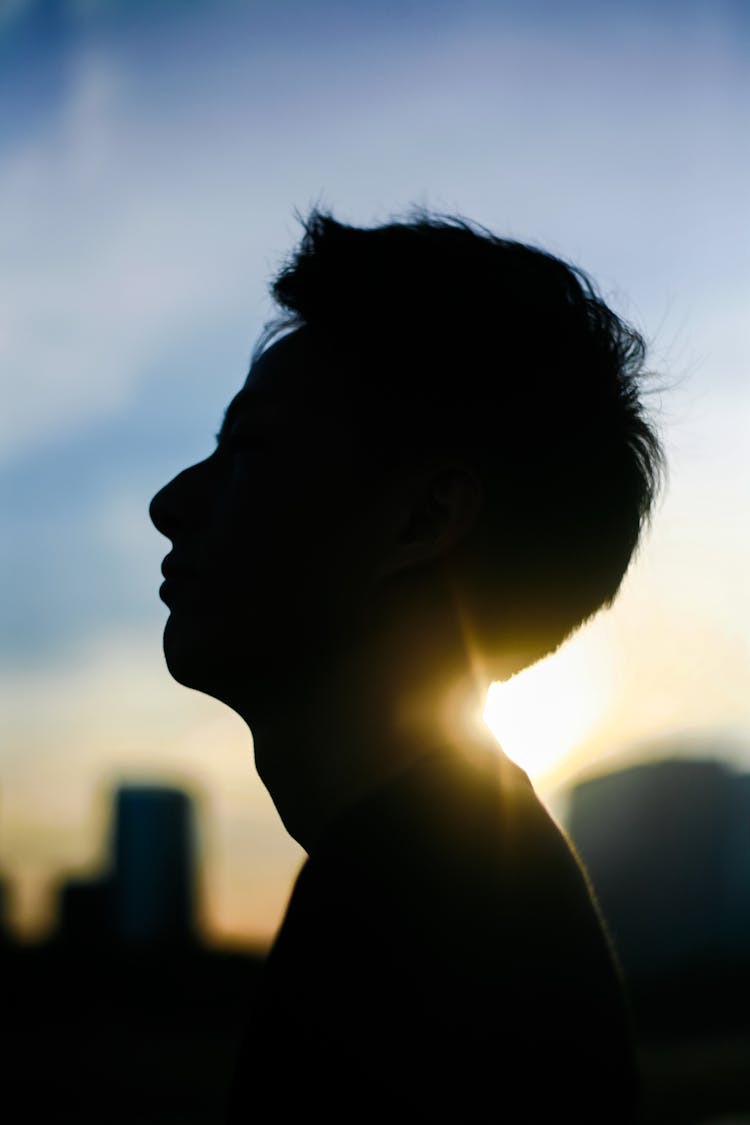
(456, 852)
(448, 911)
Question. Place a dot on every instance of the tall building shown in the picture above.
(4, 930)
(154, 866)
(667, 847)
(735, 889)
(146, 895)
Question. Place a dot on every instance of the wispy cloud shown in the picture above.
(102, 268)
(156, 198)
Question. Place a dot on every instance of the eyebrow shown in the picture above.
(243, 402)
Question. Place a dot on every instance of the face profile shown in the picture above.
(265, 539)
(438, 467)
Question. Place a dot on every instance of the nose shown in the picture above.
(175, 505)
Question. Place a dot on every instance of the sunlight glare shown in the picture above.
(544, 712)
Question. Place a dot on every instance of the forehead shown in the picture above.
(284, 373)
(288, 390)
(284, 394)
(280, 384)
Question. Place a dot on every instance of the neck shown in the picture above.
(354, 731)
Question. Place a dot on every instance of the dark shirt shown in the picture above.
(442, 958)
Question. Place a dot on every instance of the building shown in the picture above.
(154, 866)
(146, 897)
(667, 847)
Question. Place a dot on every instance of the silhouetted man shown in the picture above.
(437, 468)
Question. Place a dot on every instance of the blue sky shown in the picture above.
(151, 157)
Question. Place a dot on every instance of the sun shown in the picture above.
(541, 715)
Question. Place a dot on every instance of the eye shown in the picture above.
(239, 439)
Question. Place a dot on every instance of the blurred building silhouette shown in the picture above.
(667, 847)
(85, 912)
(152, 891)
(146, 898)
(4, 930)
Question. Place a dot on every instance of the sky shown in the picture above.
(152, 156)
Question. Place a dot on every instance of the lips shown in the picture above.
(174, 577)
(171, 569)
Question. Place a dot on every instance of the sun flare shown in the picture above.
(541, 715)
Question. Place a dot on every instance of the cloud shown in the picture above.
(103, 266)
(156, 199)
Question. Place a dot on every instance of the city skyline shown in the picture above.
(657, 838)
(150, 162)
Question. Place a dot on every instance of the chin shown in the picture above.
(185, 656)
(200, 660)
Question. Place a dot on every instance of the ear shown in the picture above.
(439, 507)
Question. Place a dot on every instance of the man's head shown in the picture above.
(453, 433)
